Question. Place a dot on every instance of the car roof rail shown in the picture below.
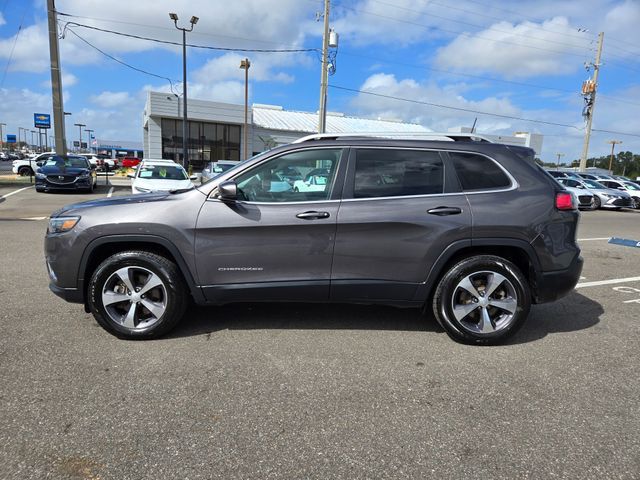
(435, 136)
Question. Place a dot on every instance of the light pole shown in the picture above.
(80, 125)
(33, 145)
(245, 64)
(193, 21)
(613, 144)
(558, 162)
(1, 136)
(89, 132)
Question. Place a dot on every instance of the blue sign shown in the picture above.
(11, 138)
(625, 242)
(42, 120)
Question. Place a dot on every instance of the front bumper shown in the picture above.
(82, 183)
(618, 203)
(554, 285)
(73, 295)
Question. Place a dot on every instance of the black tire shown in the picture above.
(514, 292)
(597, 203)
(172, 293)
(25, 171)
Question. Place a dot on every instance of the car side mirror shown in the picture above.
(228, 190)
(93, 167)
(40, 163)
(131, 175)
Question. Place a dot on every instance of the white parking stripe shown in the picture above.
(593, 239)
(608, 282)
(110, 192)
(14, 192)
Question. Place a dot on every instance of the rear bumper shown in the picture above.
(554, 285)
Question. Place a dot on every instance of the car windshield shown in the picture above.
(593, 184)
(631, 186)
(66, 162)
(162, 172)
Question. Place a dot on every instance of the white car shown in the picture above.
(27, 166)
(315, 181)
(160, 176)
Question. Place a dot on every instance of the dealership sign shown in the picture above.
(42, 120)
(11, 138)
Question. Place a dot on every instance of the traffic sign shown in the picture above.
(76, 143)
(11, 138)
(42, 120)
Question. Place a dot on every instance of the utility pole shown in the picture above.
(56, 80)
(558, 162)
(80, 125)
(1, 136)
(613, 144)
(324, 74)
(589, 92)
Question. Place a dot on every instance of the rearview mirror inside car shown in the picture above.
(228, 190)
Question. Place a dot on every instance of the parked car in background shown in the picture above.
(473, 231)
(213, 169)
(100, 160)
(604, 197)
(72, 172)
(28, 166)
(160, 176)
(130, 162)
(629, 187)
(584, 198)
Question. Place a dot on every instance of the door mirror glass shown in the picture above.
(228, 190)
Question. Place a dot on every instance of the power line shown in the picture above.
(469, 110)
(13, 47)
(206, 47)
(124, 63)
(458, 32)
(433, 15)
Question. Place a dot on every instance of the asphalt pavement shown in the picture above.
(317, 391)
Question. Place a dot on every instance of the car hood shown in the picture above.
(52, 170)
(105, 202)
(161, 185)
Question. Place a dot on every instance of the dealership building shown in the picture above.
(215, 130)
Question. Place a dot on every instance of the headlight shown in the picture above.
(62, 224)
(41, 176)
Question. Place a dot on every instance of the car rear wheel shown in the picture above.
(482, 300)
(137, 295)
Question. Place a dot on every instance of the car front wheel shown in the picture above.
(137, 295)
(482, 300)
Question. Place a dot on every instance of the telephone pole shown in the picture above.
(558, 162)
(589, 92)
(56, 80)
(613, 144)
(324, 74)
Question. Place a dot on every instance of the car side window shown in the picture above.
(307, 175)
(573, 183)
(477, 172)
(395, 172)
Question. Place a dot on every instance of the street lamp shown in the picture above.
(558, 162)
(193, 21)
(245, 64)
(89, 132)
(1, 136)
(33, 144)
(80, 125)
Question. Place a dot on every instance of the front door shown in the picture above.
(276, 241)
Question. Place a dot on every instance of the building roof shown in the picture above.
(276, 118)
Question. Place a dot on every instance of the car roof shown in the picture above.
(161, 162)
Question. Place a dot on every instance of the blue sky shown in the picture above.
(520, 59)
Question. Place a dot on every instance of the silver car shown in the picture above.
(604, 197)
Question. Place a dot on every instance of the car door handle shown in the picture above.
(313, 215)
(442, 211)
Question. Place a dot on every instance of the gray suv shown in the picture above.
(474, 231)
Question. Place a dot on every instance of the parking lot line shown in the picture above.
(592, 239)
(608, 282)
(14, 192)
(110, 192)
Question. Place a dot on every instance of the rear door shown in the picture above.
(400, 211)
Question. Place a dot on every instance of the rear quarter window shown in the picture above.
(477, 172)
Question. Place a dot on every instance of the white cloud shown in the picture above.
(68, 80)
(108, 99)
(2, 20)
(521, 50)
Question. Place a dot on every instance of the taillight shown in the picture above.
(564, 201)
